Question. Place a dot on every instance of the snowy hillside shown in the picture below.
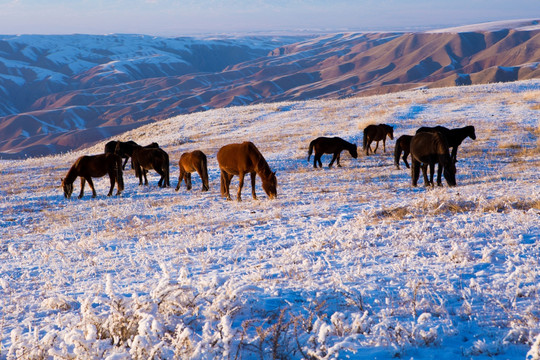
(347, 262)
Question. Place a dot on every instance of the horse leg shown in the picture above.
(144, 172)
(439, 174)
(415, 172)
(240, 185)
(225, 183)
(180, 177)
(405, 154)
(125, 162)
(454, 154)
(112, 178)
(431, 173)
(424, 172)
(188, 180)
(253, 178)
(91, 184)
(384, 144)
(368, 146)
(376, 146)
(83, 181)
(316, 159)
(337, 159)
(334, 157)
(204, 179)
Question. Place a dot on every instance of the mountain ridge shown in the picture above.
(120, 94)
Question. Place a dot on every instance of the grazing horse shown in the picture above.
(240, 159)
(124, 149)
(429, 149)
(91, 166)
(377, 133)
(191, 162)
(403, 145)
(334, 145)
(454, 137)
(148, 158)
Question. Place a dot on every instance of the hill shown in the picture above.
(106, 89)
(347, 262)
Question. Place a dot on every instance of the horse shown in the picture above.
(334, 145)
(90, 166)
(190, 162)
(454, 137)
(148, 158)
(428, 149)
(124, 149)
(377, 133)
(240, 159)
(403, 145)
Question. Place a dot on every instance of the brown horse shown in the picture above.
(454, 137)
(429, 149)
(191, 162)
(403, 145)
(240, 159)
(377, 133)
(334, 145)
(145, 158)
(91, 166)
(124, 149)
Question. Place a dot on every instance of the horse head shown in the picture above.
(269, 185)
(449, 171)
(391, 132)
(68, 189)
(354, 151)
(471, 132)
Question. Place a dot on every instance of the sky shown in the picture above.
(186, 17)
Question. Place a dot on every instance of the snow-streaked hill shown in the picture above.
(60, 93)
(347, 262)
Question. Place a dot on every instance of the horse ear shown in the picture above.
(275, 173)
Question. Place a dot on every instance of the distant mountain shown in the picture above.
(64, 92)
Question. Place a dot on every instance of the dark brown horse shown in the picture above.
(429, 149)
(145, 158)
(403, 145)
(240, 159)
(377, 133)
(190, 162)
(124, 149)
(91, 166)
(454, 137)
(333, 145)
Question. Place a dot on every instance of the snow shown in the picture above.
(347, 262)
(519, 24)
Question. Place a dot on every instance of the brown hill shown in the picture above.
(331, 66)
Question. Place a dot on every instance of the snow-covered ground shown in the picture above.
(347, 262)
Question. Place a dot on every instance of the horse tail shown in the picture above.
(119, 174)
(397, 153)
(311, 145)
(165, 169)
(204, 172)
(365, 139)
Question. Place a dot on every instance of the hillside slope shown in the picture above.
(109, 99)
(350, 262)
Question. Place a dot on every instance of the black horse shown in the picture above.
(454, 137)
(121, 148)
(428, 149)
(334, 145)
(377, 133)
(403, 145)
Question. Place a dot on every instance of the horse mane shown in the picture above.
(73, 172)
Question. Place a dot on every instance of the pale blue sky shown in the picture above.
(185, 17)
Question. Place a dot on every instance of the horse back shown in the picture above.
(150, 158)
(97, 165)
(427, 147)
(192, 161)
(236, 158)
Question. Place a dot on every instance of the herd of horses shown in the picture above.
(428, 147)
